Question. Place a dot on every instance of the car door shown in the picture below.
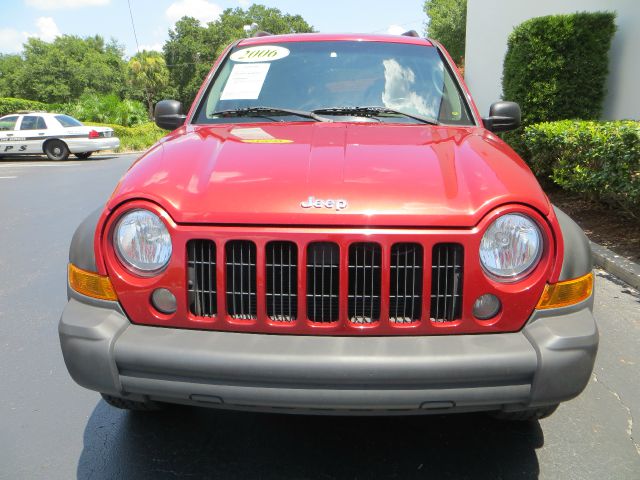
(33, 131)
(8, 134)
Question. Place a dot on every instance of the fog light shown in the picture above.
(486, 306)
(163, 300)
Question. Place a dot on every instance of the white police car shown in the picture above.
(54, 134)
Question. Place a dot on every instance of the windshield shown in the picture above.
(309, 76)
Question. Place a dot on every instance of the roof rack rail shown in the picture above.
(411, 33)
(262, 33)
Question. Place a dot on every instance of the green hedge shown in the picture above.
(597, 159)
(135, 138)
(13, 105)
(556, 66)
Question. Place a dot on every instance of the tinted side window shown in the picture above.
(8, 123)
(32, 123)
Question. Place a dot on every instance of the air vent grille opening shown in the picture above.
(282, 281)
(446, 282)
(405, 292)
(241, 279)
(364, 282)
(201, 278)
(323, 266)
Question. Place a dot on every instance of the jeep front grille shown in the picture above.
(369, 283)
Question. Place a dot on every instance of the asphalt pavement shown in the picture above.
(51, 428)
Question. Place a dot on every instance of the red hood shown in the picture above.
(390, 175)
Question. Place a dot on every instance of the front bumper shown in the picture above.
(547, 362)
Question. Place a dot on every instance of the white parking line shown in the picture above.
(9, 177)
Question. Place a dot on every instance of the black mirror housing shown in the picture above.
(503, 116)
(168, 114)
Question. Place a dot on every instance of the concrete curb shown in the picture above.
(624, 269)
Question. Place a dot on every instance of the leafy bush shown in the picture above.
(598, 159)
(556, 66)
(135, 138)
(13, 105)
(107, 109)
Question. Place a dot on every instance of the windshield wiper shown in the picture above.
(374, 112)
(268, 111)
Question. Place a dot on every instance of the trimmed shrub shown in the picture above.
(600, 160)
(13, 105)
(556, 66)
(135, 138)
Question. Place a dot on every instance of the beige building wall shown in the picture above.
(489, 23)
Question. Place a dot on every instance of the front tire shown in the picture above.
(526, 415)
(83, 155)
(132, 405)
(56, 150)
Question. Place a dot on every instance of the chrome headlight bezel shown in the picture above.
(520, 234)
(155, 228)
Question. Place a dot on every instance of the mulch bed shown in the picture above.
(602, 224)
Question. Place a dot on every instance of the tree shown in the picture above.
(10, 66)
(149, 77)
(69, 67)
(192, 48)
(447, 23)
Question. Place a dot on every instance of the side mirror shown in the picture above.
(503, 116)
(168, 114)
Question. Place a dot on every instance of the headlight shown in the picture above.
(142, 242)
(511, 247)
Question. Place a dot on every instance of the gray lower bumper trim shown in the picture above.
(548, 362)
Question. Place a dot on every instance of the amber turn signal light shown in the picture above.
(566, 293)
(91, 284)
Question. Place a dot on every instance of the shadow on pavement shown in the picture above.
(42, 158)
(201, 443)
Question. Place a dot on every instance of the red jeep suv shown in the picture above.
(332, 228)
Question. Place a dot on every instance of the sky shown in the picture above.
(46, 19)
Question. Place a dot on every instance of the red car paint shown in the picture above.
(417, 183)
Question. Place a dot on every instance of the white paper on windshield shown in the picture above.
(245, 81)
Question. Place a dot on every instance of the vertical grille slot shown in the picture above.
(364, 282)
(241, 279)
(446, 282)
(201, 278)
(405, 292)
(323, 262)
(282, 281)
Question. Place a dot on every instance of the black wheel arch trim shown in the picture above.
(81, 251)
(577, 260)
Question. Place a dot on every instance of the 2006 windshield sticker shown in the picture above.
(263, 53)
